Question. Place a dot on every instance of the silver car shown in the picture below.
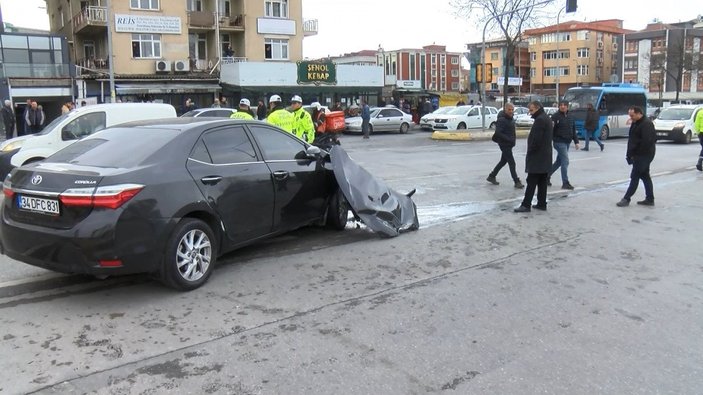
(526, 120)
(383, 119)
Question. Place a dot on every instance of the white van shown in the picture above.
(70, 127)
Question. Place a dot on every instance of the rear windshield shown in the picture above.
(115, 148)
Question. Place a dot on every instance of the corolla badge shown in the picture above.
(36, 180)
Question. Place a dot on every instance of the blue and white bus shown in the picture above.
(612, 101)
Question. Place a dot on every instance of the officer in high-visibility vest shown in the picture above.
(278, 114)
(303, 126)
(244, 111)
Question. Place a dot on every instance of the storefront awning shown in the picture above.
(137, 89)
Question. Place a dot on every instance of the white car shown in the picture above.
(386, 119)
(427, 122)
(677, 123)
(210, 112)
(526, 120)
(466, 117)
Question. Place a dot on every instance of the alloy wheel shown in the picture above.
(193, 255)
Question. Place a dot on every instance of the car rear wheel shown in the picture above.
(687, 138)
(604, 132)
(461, 125)
(492, 125)
(190, 255)
(337, 211)
(404, 128)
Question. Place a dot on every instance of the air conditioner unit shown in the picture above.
(615, 46)
(162, 66)
(181, 66)
(600, 44)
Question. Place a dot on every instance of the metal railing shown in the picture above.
(310, 27)
(232, 59)
(87, 65)
(32, 70)
(90, 15)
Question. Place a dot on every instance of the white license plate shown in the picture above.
(663, 134)
(38, 205)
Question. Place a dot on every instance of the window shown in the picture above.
(455, 86)
(473, 112)
(550, 72)
(146, 46)
(582, 35)
(390, 113)
(276, 49)
(630, 64)
(494, 55)
(582, 69)
(434, 59)
(455, 73)
(194, 5)
(229, 145)
(553, 54)
(84, 125)
(532, 40)
(276, 144)
(226, 43)
(412, 66)
(455, 60)
(495, 71)
(144, 4)
(533, 56)
(276, 8)
(533, 72)
(582, 52)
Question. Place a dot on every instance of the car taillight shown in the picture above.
(7, 188)
(112, 196)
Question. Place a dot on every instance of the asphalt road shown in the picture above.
(584, 298)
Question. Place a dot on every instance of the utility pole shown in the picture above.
(111, 56)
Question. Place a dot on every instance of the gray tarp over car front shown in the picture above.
(382, 209)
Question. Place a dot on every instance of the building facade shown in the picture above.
(573, 54)
(666, 58)
(496, 56)
(170, 50)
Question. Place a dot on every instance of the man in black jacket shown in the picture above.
(641, 147)
(564, 133)
(505, 137)
(8, 119)
(538, 161)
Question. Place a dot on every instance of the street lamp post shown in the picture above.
(111, 58)
(558, 38)
(382, 52)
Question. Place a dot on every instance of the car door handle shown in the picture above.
(280, 175)
(211, 180)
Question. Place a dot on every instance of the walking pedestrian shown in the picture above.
(505, 137)
(590, 127)
(699, 129)
(8, 119)
(365, 119)
(564, 133)
(641, 147)
(538, 160)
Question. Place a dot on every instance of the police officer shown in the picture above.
(278, 115)
(244, 112)
(303, 126)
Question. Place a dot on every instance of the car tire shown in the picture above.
(337, 211)
(687, 138)
(404, 128)
(189, 256)
(461, 126)
(604, 132)
(370, 129)
(492, 125)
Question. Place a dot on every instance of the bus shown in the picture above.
(612, 101)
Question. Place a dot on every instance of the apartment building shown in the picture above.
(496, 56)
(573, 54)
(170, 50)
(666, 58)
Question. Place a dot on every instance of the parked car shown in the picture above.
(427, 122)
(220, 112)
(384, 119)
(677, 123)
(466, 117)
(187, 192)
(521, 111)
(72, 126)
(526, 120)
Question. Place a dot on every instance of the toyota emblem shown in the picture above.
(36, 180)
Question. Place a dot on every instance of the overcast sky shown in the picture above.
(353, 25)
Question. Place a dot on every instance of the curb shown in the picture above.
(471, 136)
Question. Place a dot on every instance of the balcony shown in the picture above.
(234, 22)
(201, 19)
(90, 20)
(310, 27)
(91, 66)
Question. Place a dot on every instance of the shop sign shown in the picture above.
(126, 23)
(512, 81)
(409, 84)
(317, 73)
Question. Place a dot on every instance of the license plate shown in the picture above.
(38, 205)
(663, 134)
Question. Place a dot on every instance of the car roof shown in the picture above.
(213, 109)
(182, 123)
(688, 106)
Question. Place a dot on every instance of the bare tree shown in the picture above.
(508, 17)
(674, 61)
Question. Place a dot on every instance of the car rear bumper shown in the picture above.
(135, 243)
(353, 128)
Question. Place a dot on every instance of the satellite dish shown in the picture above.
(614, 78)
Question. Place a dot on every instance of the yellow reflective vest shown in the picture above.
(303, 127)
(281, 118)
(241, 114)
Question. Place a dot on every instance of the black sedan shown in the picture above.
(165, 197)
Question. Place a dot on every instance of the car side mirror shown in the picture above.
(313, 151)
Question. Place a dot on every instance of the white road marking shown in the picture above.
(584, 159)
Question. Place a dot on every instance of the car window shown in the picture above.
(85, 125)
(200, 153)
(229, 145)
(493, 110)
(276, 144)
(209, 114)
(473, 112)
(191, 113)
(389, 112)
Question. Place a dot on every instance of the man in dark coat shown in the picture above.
(505, 137)
(8, 119)
(538, 161)
(641, 147)
(564, 133)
